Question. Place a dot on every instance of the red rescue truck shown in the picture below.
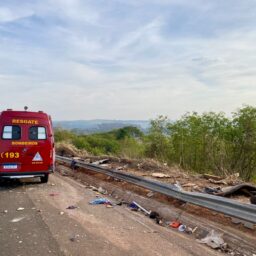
(26, 145)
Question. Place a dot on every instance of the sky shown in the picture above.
(127, 59)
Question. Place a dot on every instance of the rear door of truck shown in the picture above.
(37, 149)
(10, 157)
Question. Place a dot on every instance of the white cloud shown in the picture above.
(9, 15)
(133, 59)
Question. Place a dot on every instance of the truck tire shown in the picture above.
(44, 179)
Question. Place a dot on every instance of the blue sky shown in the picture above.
(130, 59)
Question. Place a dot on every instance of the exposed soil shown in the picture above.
(46, 227)
(190, 214)
(148, 168)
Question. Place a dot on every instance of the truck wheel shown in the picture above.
(44, 179)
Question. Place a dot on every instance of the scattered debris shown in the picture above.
(17, 219)
(213, 177)
(189, 185)
(154, 215)
(194, 230)
(157, 217)
(214, 240)
(178, 186)
(141, 208)
(244, 188)
(61, 213)
(104, 165)
(103, 161)
(74, 238)
(120, 168)
(5, 211)
(53, 194)
(182, 228)
(100, 201)
(73, 165)
(71, 207)
(64, 172)
(253, 199)
(160, 175)
(230, 180)
(212, 191)
(93, 188)
(102, 191)
(175, 224)
(133, 207)
(189, 230)
(159, 220)
(150, 194)
(20, 209)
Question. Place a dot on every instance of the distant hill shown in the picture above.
(98, 125)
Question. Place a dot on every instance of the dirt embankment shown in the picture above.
(153, 169)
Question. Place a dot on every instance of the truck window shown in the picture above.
(11, 132)
(37, 133)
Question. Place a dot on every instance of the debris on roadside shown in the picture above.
(213, 177)
(189, 185)
(73, 165)
(100, 201)
(182, 228)
(100, 162)
(102, 191)
(214, 240)
(17, 219)
(244, 188)
(160, 175)
(64, 172)
(154, 215)
(211, 191)
(119, 203)
(53, 194)
(74, 238)
(230, 180)
(141, 208)
(93, 188)
(178, 186)
(157, 217)
(121, 168)
(133, 207)
(72, 207)
(175, 224)
(253, 199)
(150, 194)
(188, 231)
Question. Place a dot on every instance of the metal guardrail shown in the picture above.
(223, 205)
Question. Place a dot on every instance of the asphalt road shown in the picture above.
(46, 227)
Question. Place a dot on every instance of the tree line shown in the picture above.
(209, 142)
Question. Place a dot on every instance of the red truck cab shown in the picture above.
(26, 145)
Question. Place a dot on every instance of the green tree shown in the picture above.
(244, 142)
(157, 142)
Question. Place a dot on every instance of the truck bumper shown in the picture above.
(19, 175)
